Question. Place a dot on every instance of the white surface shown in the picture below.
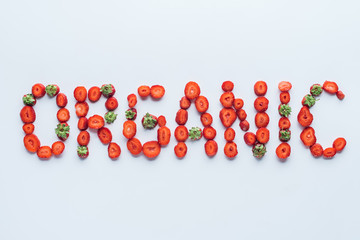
(129, 43)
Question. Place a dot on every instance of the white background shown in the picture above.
(129, 43)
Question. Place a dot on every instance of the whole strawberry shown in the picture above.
(308, 100)
(62, 131)
(149, 121)
(83, 151)
(131, 114)
(284, 135)
(52, 90)
(259, 150)
(110, 117)
(316, 90)
(108, 90)
(29, 99)
(284, 110)
(195, 133)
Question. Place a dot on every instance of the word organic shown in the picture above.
(231, 111)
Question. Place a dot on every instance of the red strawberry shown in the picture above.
(31, 143)
(340, 95)
(195, 133)
(181, 117)
(114, 150)
(261, 120)
(83, 151)
(161, 121)
(305, 117)
(241, 114)
(201, 104)
(111, 104)
(129, 129)
(230, 149)
(149, 121)
(144, 91)
(262, 135)
(94, 94)
(229, 134)
(227, 86)
(238, 103)
(80, 94)
(131, 114)
(62, 130)
(284, 123)
(81, 109)
(244, 125)
(192, 90)
(283, 151)
(52, 90)
(57, 148)
(44, 152)
(284, 86)
(83, 138)
(284, 97)
(259, 150)
(316, 150)
(163, 136)
(261, 104)
(61, 100)
(132, 100)
(249, 138)
(308, 137)
(96, 122)
(316, 90)
(28, 128)
(180, 150)
(209, 133)
(38, 90)
(330, 87)
(157, 91)
(227, 99)
(181, 133)
(329, 152)
(107, 90)
(184, 103)
(104, 135)
(227, 116)
(308, 101)
(206, 119)
(284, 135)
(63, 115)
(151, 149)
(260, 88)
(29, 100)
(110, 117)
(211, 148)
(284, 110)
(339, 144)
(27, 114)
(83, 123)
(134, 146)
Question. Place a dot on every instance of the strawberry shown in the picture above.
(161, 121)
(249, 138)
(149, 121)
(284, 97)
(261, 120)
(104, 135)
(227, 116)
(181, 117)
(180, 150)
(241, 114)
(260, 88)
(63, 115)
(211, 148)
(83, 151)
(209, 133)
(52, 90)
(38, 90)
(192, 90)
(339, 144)
(144, 91)
(134, 146)
(284, 110)
(131, 114)
(308, 137)
(61, 100)
(28, 128)
(316, 90)
(96, 122)
(316, 150)
(329, 152)
(227, 99)
(201, 104)
(262, 135)
(284, 123)
(129, 129)
(163, 136)
(83, 123)
(238, 103)
(151, 149)
(229, 134)
(305, 117)
(283, 151)
(181, 133)
(31, 143)
(27, 114)
(107, 90)
(308, 101)
(29, 100)
(81, 109)
(157, 91)
(244, 125)
(206, 119)
(261, 104)
(227, 86)
(259, 150)
(57, 148)
(44, 152)
(80, 94)
(184, 103)
(230, 149)
(132, 100)
(284, 135)
(330, 87)
(94, 94)
(340, 95)
(114, 150)
(111, 103)
(110, 117)
(284, 86)
(195, 133)
(62, 130)
(83, 138)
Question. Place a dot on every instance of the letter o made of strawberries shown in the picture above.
(28, 116)
(305, 119)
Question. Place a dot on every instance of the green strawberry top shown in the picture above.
(149, 121)
(195, 133)
(29, 99)
(130, 114)
(316, 90)
(107, 89)
(259, 150)
(110, 117)
(51, 90)
(309, 100)
(82, 151)
(285, 135)
(284, 110)
(62, 131)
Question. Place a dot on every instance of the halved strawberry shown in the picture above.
(184, 103)
(316, 90)
(44, 152)
(305, 117)
(57, 148)
(129, 129)
(107, 90)
(151, 149)
(340, 95)
(227, 86)
(259, 150)
(96, 122)
(83, 123)
(308, 137)
(229, 134)
(149, 121)
(308, 101)
(339, 144)
(80, 94)
(181, 133)
(63, 115)
(38, 90)
(161, 121)
(83, 138)
(329, 152)
(29, 100)
(262, 120)
(62, 130)
(104, 135)
(81, 109)
(27, 114)
(330, 87)
(52, 90)
(211, 148)
(283, 151)
(28, 128)
(134, 146)
(227, 99)
(284, 135)
(31, 143)
(131, 114)
(206, 119)
(144, 91)
(94, 94)
(238, 103)
(241, 113)
(249, 138)
(201, 104)
(260, 88)
(227, 116)
(284, 123)
(284, 110)
(262, 135)
(157, 91)
(316, 150)
(284, 86)
(192, 90)
(181, 117)
(180, 150)
(244, 125)
(132, 100)
(230, 149)
(209, 133)
(284, 97)
(111, 104)
(61, 100)
(110, 117)
(114, 150)
(83, 151)
(261, 104)
(163, 136)
(195, 133)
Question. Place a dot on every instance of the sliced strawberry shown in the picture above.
(129, 129)
(229, 134)
(227, 116)
(284, 135)
(63, 115)
(284, 110)
(260, 88)
(83, 123)
(163, 136)
(339, 144)
(104, 135)
(201, 104)
(241, 114)
(44, 152)
(330, 87)
(144, 91)
(80, 94)
(161, 121)
(180, 150)
(244, 125)
(227, 86)
(29, 100)
(134, 146)
(83, 138)
(83, 151)
(284, 86)
(149, 121)
(308, 101)
(61, 100)
(340, 95)
(211, 148)
(262, 135)
(181, 117)
(259, 150)
(184, 103)
(284, 97)
(308, 137)
(283, 151)
(81, 109)
(132, 100)
(111, 103)
(230, 149)
(31, 143)
(131, 114)
(284, 123)
(28, 128)
(305, 117)
(192, 90)
(151, 149)
(157, 91)
(57, 148)
(27, 114)
(107, 90)
(249, 138)
(261, 104)
(52, 90)
(262, 120)
(209, 133)
(114, 150)
(206, 119)
(62, 131)
(238, 103)
(329, 152)
(227, 99)
(94, 94)
(195, 133)
(96, 122)
(181, 133)
(316, 90)
(38, 90)
(316, 150)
